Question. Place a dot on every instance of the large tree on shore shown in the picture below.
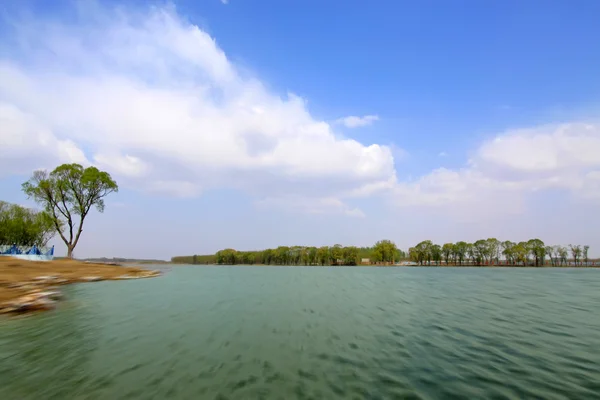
(68, 193)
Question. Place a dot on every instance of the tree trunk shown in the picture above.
(69, 251)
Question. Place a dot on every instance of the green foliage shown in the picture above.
(493, 252)
(482, 252)
(67, 194)
(195, 259)
(384, 251)
(24, 226)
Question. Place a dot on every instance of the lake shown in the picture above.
(314, 333)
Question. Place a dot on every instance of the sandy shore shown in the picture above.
(32, 286)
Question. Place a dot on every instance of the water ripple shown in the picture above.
(310, 333)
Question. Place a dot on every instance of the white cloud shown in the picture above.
(356, 122)
(312, 205)
(156, 102)
(443, 154)
(225, 1)
(508, 168)
(26, 144)
(126, 165)
(544, 151)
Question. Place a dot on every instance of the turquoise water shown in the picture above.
(319, 333)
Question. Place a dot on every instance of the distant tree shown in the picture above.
(508, 250)
(549, 251)
(68, 193)
(493, 247)
(282, 255)
(312, 256)
(350, 255)
(537, 249)
(336, 254)
(481, 250)
(576, 253)
(436, 253)
(447, 251)
(227, 256)
(323, 255)
(385, 251)
(471, 252)
(586, 248)
(563, 254)
(460, 249)
(521, 251)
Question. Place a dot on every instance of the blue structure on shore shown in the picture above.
(33, 253)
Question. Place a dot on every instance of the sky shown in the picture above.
(254, 124)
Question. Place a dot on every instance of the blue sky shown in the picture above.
(257, 124)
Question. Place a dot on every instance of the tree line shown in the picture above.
(492, 251)
(24, 226)
(384, 251)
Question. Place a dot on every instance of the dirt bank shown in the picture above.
(31, 286)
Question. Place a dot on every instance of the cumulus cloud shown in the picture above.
(28, 144)
(313, 205)
(356, 122)
(155, 101)
(507, 168)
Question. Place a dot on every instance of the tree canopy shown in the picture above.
(24, 226)
(382, 252)
(484, 252)
(68, 193)
(533, 252)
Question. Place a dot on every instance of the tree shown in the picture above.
(586, 248)
(575, 252)
(521, 253)
(68, 193)
(436, 253)
(447, 250)
(460, 249)
(493, 250)
(323, 255)
(385, 251)
(538, 250)
(424, 251)
(550, 251)
(24, 226)
(508, 250)
(336, 254)
(312, 256)
(471, 252)
(350, 255)
(563, 254)
(481, 251)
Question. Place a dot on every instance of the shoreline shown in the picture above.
(30, 286)
(546, 266)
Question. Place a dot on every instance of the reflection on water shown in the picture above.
(283, 333)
